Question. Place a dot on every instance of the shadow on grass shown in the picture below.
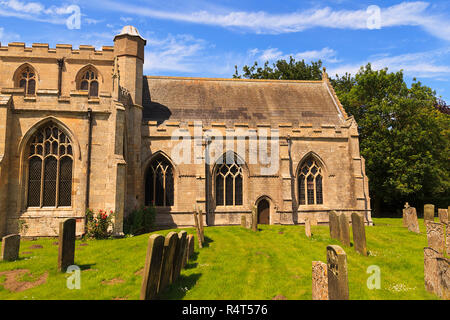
(207, 242)
(179, 288)
(86, 266)
(191, 263)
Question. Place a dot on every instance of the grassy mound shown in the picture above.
(235, 263)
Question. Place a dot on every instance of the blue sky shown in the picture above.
(207, 38)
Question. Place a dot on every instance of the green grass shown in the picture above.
(236, 263)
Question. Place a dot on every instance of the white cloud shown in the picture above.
(30, 7)
(426, 64)
(36, 11)
(326, 55)
(180, 53)
(6, 37)
(404, 14)
(126, 19)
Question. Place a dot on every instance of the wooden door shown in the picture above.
(263, 212)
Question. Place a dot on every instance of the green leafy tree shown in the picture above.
(403, 137)
(282, 70)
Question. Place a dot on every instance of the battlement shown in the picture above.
(43, 50)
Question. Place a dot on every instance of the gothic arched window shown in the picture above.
(50, 164)
(229, 181)
(89, 82)
(310, 183)
(159, 183)
(26, 79)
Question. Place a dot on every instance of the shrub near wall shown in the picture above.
(99, 226)
(140, 221)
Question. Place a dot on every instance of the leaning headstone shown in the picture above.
(170, 245)
(436, 236)
(334, 225)
(337, 273)
(443, 270)
(443, 215)
(319, 281)
(254, 219)
(430, 270)
(179, 253)
(428, 212)
(66, 250)
(243, 221)
(344, 230)
(152, 269)
(308, 228)
(200, 223)
(359, 233)
(411, 219)
(191, 246)
(197, 229)
(10, 247)
(185, 253)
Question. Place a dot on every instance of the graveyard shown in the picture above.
(273, 263)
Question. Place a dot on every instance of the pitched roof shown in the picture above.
(234, 100)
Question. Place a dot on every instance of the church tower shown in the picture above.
(128, 86)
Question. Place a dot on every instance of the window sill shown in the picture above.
(29, 98)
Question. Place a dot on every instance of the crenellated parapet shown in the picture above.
(43, 51)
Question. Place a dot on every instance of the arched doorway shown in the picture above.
(263, 212)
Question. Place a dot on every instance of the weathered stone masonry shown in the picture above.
(133, 119)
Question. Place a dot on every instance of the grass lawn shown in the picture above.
(236, 263)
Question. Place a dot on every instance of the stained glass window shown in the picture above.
(27, 80)
(50, 163)
(159, 183)
(229, 183)
(310, 183)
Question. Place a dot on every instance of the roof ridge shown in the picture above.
(232, 79)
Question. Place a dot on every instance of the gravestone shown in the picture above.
(443, 270)
(197, 229)
(428, 212)
(66, 250)
(185, 253)
(411, 219)
(319, 281)
(359, 233)
(200, 221)
(443, 215)
(191, 246)
(436, 236)
(334, 225)
(405, 223)
(337, 273)
(152, 269)
(10, 247)
(254, 219)
(170, 245)
(430, 270)
(243, 221)
(344, 230)
(448, 240)
(308, 228)
(179, 252)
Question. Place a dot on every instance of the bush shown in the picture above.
(140, 221)
(99, 225)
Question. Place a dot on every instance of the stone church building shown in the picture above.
(84, 128)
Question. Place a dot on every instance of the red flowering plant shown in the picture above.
(98, 225)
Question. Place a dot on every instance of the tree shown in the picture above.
(283, 70)
(404, 137)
